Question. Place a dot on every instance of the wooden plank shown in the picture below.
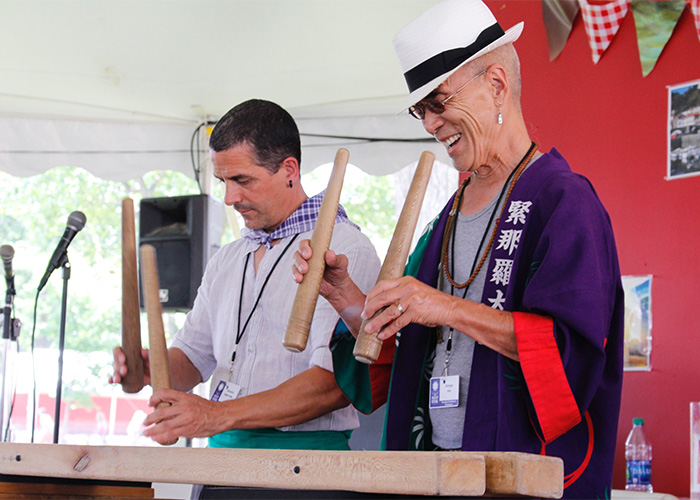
(511, 473)
(388, 472)
(439, 474)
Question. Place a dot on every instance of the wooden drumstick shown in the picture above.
(132, 382)
(158, 352)
(368, 346)
(297, 333)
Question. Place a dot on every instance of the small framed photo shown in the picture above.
(637, 322)
(684, 130)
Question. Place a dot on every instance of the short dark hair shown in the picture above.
(264, 125)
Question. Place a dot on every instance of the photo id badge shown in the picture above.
(225, 391)
(444, 392)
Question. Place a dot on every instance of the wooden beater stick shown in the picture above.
(297, 333)
(132, 382)
(368, 346)
(158, 353)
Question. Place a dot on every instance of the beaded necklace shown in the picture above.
(450, 225)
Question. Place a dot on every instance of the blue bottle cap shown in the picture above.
(638, 421)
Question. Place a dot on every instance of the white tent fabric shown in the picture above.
(110, 150)
(119, 86)
(123, 150)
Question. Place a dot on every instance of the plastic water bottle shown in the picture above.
(638, 455)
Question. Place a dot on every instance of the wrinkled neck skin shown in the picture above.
(497, 151)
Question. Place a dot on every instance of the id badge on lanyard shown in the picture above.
(444, 390)
(225, 391)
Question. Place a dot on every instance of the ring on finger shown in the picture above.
(399, 307)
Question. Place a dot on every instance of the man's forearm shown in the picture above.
(184, 376)
(306, 396)
(348, 303)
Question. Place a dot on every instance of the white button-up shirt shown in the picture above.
(262, 362)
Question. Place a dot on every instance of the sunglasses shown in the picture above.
(417, 111)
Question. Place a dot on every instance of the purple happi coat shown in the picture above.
(554, 265)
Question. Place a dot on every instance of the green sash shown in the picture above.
(274, 439)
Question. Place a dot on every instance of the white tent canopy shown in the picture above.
(118, 87)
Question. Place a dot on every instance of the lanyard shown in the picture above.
(483, 237)
(240, 332)
(516, 172)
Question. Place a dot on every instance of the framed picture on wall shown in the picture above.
(684, 130)
(637, 322)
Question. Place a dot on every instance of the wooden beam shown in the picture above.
(510, 473)
(379, 472)
(387, 472)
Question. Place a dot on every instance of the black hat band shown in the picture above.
(446, 61)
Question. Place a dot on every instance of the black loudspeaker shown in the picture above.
(185, 231)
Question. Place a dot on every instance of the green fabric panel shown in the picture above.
(274, 439)
(422, 430)
(351, 375)
(416, 256)
(411, 269)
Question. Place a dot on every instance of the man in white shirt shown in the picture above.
(262, 396)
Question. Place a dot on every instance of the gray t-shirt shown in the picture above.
(448, 423)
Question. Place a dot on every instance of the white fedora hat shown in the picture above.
(443, 39)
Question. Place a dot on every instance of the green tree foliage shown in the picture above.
(683, 101)
(32, 219)
(371, 206)
(368, 200)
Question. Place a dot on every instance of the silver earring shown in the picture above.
(500, 116)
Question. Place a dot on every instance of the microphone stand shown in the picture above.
(7, 310)
(8, 336)
(61, 342)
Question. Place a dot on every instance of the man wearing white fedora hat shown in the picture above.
(509, 323)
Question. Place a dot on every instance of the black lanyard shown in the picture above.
(448, 347)
(483, 237)
(239, 332)
(458, 201)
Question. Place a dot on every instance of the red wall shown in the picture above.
(610, 124)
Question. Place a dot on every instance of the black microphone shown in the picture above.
(76, 221)
(7, 252)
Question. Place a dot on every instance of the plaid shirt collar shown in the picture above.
(303, 219)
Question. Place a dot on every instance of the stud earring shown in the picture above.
(500, 116)
(290, 183)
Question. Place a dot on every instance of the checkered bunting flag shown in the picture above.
(695, 7)
(601, 23)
